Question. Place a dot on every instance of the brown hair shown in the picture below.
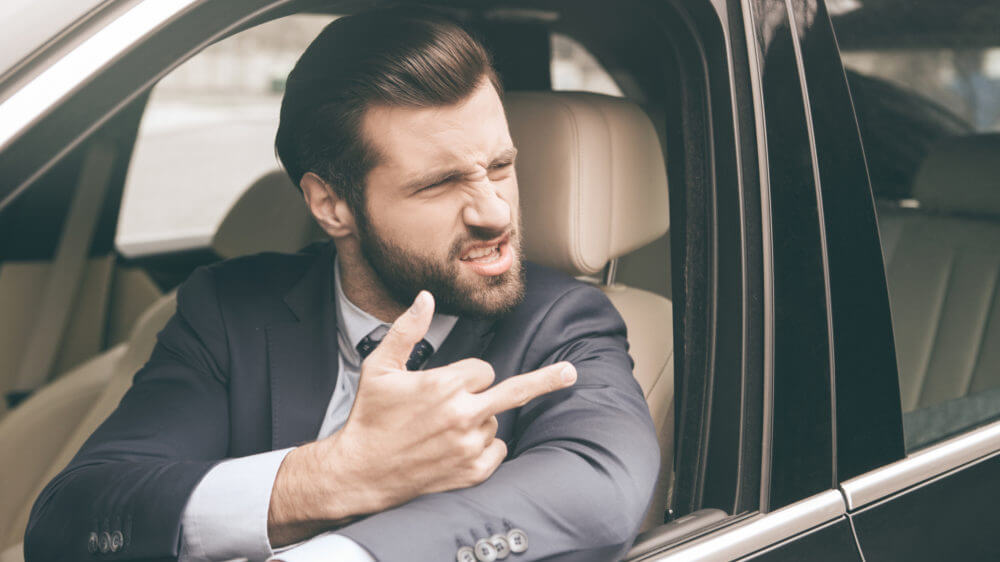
(396, 56)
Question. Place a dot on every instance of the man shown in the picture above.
(364, 399)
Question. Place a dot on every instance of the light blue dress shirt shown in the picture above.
(226, 517)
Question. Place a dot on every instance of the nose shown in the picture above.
(486, 210)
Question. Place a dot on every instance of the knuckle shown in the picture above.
(521, 395)
(502, 448)
(471, 447)
(456, 414)
(432, 385)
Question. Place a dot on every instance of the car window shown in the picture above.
(206, 135)
(927, 98)
(208, 131)
(574, 68)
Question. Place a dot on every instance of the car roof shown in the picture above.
(27, 25)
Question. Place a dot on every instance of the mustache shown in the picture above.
(459, 246)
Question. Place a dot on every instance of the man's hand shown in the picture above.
(409, 433)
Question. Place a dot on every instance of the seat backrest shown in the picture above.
(593, 188)
(942, 252)
(45, 426)
(37, 429)
(270, 216)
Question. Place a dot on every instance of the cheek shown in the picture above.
(427, 227)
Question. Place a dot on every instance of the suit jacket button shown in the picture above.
(485, 551)
(117, 541)
(517, 540)
(92, 543)
(465, 554)
(500, 543)
(104, 542)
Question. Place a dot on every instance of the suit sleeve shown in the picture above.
(134, 475)
(579, 474)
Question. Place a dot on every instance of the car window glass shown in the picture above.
(926, 91)
(574, 68)
(208, 131)
(207, 134)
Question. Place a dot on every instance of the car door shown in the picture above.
(926, 97)
(785, 458)
(757, 441)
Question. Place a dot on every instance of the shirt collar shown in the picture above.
(353, 324)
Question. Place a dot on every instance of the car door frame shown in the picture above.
(900, 505)
(801, 511)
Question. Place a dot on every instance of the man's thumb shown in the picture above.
(411, 327)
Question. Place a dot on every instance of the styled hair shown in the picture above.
(397, 57)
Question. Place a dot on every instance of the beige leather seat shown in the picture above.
(48, 428)
(593, 188)
(942, 252)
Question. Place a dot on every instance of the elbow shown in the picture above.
(624, 491)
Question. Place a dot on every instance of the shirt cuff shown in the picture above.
(325, 547)
(226, 516)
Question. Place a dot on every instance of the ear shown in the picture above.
(331, 211)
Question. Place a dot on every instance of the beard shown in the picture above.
(405, 273)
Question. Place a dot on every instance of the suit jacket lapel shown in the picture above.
(303, 357)
(468, 338)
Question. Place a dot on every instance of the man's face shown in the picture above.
(442, 205)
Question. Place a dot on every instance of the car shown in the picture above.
(817, 335)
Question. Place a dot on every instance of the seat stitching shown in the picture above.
(659, 373)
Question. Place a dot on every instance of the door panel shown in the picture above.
(831, 543)
(953, 517)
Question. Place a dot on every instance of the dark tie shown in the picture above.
(420, 352)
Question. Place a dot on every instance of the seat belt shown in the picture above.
(66, 271)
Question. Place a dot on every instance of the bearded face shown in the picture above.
(441, 205)
(404, 270)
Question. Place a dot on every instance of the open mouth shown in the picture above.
(485, 254)
(492, 258)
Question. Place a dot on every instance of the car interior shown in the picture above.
(942, 263)
(593, 181)
(927, 114)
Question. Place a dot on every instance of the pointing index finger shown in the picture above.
(521, 389)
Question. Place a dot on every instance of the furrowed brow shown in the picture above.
(507, 155)
(441, 176)
(432, 178)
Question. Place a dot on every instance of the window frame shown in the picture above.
(731, 372)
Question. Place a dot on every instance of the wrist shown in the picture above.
(349, 488)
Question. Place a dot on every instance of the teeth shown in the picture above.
(482, 253)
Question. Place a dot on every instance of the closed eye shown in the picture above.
(436, 184)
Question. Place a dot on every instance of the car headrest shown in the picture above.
(961, 174)
(591, 176)
(270, 216)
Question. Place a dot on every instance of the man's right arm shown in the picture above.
(134, 475)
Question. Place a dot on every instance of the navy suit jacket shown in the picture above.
(248, 364)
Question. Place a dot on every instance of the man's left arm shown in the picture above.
(581, 468)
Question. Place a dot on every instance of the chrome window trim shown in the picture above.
(761, 531)
(921, 466)
(767, 269)
(32, 102)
